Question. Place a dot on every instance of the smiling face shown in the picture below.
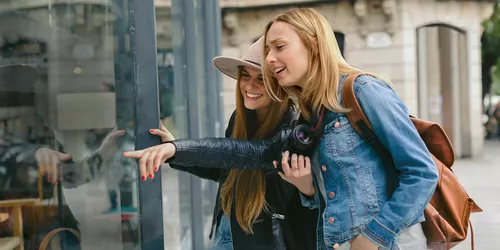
(253, 91)
(286, 55)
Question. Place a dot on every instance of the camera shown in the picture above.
(297, 139)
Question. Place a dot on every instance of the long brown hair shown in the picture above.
(326, 63)
(247, 188)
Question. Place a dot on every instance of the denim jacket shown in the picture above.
(351, 178)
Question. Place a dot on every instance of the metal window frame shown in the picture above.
(146, 115)
(200, 123)
(146, 110)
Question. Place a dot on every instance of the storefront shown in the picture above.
(90, 79)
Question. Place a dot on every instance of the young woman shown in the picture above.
(359, 212)
(254, 210)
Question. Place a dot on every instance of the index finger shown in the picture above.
(134, 154)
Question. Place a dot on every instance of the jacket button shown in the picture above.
(337, 124)
(323, 168)
(331, 194)
(336, 246)
(330, 220)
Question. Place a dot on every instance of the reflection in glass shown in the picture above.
(72, 123)
(175, 184)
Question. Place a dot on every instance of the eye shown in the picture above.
(280, 46)
(246, 76)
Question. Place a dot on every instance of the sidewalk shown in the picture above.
(481, 179)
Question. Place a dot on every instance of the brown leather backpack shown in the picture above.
(447, 214)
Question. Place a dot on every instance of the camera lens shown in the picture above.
(300, 138)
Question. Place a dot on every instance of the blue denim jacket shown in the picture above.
(351, 179)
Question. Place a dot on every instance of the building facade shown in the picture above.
(430, 49)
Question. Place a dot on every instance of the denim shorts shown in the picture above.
(223, 239)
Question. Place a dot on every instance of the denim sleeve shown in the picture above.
(418, 174)
(309, 202)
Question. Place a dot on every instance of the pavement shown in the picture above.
(481, 179)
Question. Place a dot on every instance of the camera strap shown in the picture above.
(319, 128)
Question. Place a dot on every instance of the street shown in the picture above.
(480, 178)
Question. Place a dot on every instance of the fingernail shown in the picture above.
(151, 131)
(151, 176)
(143, 178)
(156, 169)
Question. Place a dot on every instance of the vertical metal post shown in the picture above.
(194, 119)
(218, 75)
(214, 100)
(212, 35)
(147, 115)
(184, 14)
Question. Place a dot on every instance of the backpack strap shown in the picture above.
(356, 117)
(362, 125)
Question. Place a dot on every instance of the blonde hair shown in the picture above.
(248, 187)
(326, 64)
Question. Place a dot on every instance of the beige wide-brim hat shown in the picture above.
(251, 58)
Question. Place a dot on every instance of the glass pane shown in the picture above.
(176, 190)
(75, 114)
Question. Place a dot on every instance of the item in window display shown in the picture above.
(17, 77)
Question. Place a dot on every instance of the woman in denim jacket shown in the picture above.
(359, 212)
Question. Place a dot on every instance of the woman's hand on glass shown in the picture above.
(297, 172)
(163, 133)
(150, 159)
(48, 160)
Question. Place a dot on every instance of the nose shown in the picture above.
(249, 84)
(270, 58)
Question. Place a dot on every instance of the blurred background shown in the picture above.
(125, 64)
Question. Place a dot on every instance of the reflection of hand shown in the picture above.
(163, 133)
(298, 174)
(106, 148)
(151, 158)
(48, 160)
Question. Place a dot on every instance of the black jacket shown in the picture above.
(289, 225)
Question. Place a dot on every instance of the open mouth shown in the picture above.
(278, 71)
(250, 95)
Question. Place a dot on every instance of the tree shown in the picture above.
(490, 52)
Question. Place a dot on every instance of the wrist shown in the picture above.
(170, 147)
(308, 191)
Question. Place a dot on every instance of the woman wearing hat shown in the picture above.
(254, 210)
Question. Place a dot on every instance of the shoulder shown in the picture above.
(365, 81)
(372, 86)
